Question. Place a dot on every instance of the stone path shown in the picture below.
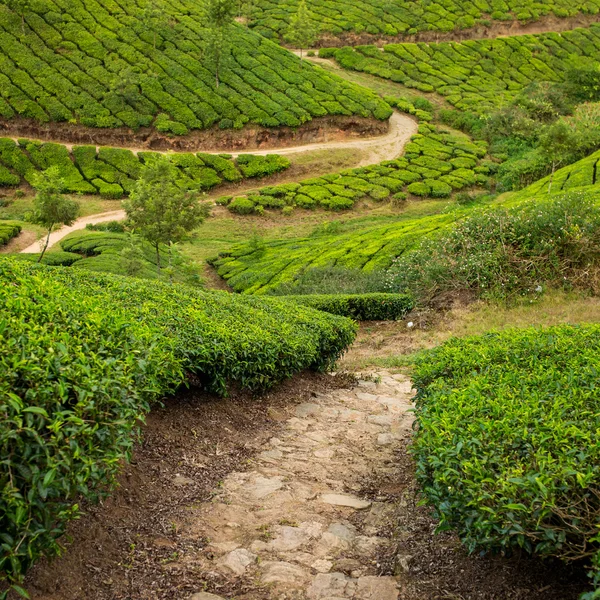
(294, 525)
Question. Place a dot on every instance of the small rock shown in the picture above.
(402, 564)
(282, 572)
(261, 487)
(223, 547)
(180, 481)
(368, 545)
(385, 439)
(271, 455)
(353, 416)
(324, 453)
(377, 588)
(345, 531)
(322, 566)
(366, 397)
(239, 560)
(347, 565)
(381, 420)
(327, 585)
(345, 500)
(206, 596)
(307, 409)
(289, 538)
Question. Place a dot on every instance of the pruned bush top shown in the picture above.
(507, 445)
(83, 356)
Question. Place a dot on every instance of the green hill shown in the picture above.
(378, 17)
(96, 64)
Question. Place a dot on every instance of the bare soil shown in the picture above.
(318, 130)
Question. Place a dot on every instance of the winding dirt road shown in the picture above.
(374, 150)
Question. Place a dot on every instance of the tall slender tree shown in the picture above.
(219, 20)
(159, 210)
(301, 32)
(50, 206)
(154, 18)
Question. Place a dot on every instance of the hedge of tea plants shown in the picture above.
(96, 64)
(76, 378)
(8, 231)
(435, 164)
(475, 75)
(507, 442)
(112, 172)
(361, 307)
(381, 18)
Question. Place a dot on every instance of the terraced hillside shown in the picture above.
(391, 18)
(475, 75)
(103, 64)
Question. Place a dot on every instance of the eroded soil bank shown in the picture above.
(319, 130)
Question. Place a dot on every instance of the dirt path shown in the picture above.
(56, 236)
(376, 149)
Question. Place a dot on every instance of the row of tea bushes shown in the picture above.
(8, 231)
(475, 75)
(507, 447)
(96, 64)
(436, 163)
(84, 356)
(112, 172)
(382, 18)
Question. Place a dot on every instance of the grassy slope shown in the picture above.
(271, 17)
(69, 65)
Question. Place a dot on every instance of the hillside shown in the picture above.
(346, 19)
(106, 65)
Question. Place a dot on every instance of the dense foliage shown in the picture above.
(8, 231)
(507, 439)
(75, 378)
(101, 64)
(112, 172)
(362, 307)
(502, 252)
(475, 75)
(378, 18)
(436, 163)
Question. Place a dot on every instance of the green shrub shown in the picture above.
(96, 351)
(241, 206)
(361, 307)
(506, 441)
(252, 165)
(8, 231)
(502, 252)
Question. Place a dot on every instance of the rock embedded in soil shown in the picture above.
(345, 500)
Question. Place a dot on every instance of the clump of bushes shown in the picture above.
(252, 165)
(503, 252)
(507, 446)
(87, 375)
(361, 307)
(8, 231)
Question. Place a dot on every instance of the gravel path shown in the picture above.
(376, 149)
(296, 525)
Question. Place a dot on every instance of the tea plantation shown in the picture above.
(378, 18)
(104, 65)
(475, 75)
(435, 164)
(112, 172)
(76, 378)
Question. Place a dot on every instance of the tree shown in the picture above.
(153, 17)
(126, 84)
(161, 211)
(301, 31)
(556, 145)
(50, 206)
(219, 18)
(20, 7)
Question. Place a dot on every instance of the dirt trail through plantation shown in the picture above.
(375, 149)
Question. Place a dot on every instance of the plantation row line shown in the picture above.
(475, 75)
(435, 164)
(112, 172)
(97, 65)
(335, 17)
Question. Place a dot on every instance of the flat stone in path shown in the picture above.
(345, 500)
(206, 596)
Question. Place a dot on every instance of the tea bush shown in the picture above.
(8, 231)
(112, 172)
(506, 443)
(374, 18)
(361, 307)
(476, 76)
(76, 379)
(95, 64)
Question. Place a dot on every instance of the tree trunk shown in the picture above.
(154, 32)
(551, 176)
(158, 259)
(170, 263)
(300, 57)
(23, 22)
(217, 74)
(45, 245)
